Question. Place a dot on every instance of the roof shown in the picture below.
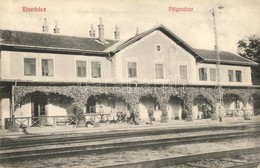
(209, 56)
(8, 37)
(41, 42)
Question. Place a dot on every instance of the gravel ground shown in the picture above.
(83, 161)
(223, 162)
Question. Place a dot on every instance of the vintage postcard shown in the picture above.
(129, 83)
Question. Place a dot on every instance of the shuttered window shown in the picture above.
(183, 72)
(230, 76)
(212, 74)
(132, 69)
(159, 71)
(47, 67)
(238, 76)
(96, 69)
(203, 74)
(29, 66)
(81, 68)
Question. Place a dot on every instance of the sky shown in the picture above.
(238, 18)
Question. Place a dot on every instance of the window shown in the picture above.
(183, 72)
(29, 66)
(238, 76)
(158, 47)
(230, 76)
(132, 69)
(81, 68)
(47, 67)
(159, 71)
(96, 69)
(203, 74)
(212, 74)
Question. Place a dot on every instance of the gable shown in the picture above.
(140, 36)
(147, 48)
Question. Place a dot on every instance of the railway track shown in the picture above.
(201, 160)
(121, 146)
(38, 140)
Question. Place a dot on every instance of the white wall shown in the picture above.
(174, 110)
(64, 67)
(5, 109)
(246, 74)
(24, 111)
(145, 54)
(143, 107)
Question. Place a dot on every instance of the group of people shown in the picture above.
(125, 116)
(132, 117)
(202, 111)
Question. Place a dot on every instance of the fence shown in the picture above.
(241, 112)
(52, 121)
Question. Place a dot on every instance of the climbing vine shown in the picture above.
(78, 95)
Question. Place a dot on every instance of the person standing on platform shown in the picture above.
(132, 118)
(150, 115)
(196, 112)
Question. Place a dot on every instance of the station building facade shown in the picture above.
(46, 74)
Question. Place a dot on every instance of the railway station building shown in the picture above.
(48, 75)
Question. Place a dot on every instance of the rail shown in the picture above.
(86, 148)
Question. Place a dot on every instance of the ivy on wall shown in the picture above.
(131, 95)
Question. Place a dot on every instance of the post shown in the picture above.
(219, 102)
(12, 108)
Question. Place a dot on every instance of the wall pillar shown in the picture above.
(5, 110)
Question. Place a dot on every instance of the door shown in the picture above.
(39, 111)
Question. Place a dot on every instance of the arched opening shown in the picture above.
(233, 105)
(43, 109)
(202, 108)
(107, 104)
(175, 108)
(145, 103)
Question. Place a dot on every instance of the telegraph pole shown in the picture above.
(219, 87)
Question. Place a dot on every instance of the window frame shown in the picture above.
(238, 75)
(42, 59)
(161, 76)
(231, 75)
(100, 68)
(185, 75)
(35, 63)
(77, 72)
(213, 78)
(204, 76)
(128, 69)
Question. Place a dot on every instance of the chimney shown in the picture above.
(117, 33)
(101, 31)
(56, 29)
(92, 31)
(137, 31)
(45, 27)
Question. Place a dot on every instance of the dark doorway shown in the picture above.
(91, 105)
(39, 108)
